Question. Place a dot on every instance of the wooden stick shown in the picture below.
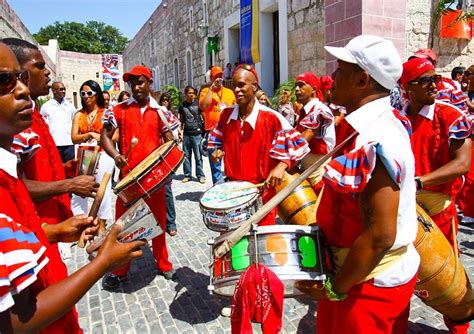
(95, 205)
(91, 167)
(240, 232)
(248, 187)
(133, 142)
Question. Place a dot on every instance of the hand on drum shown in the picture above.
(84, 186)
(276, 175)
(116, 254)
(217, 154)
(314, 289)
(71, 229)
(120, 161)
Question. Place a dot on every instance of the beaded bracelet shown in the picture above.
(331, 294)
(43, 225)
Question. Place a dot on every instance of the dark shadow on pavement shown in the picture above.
(192, 196)
(307, 324)
(142, 272)
(193, 303)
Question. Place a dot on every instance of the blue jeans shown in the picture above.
(216, 168)
(170, 210)
(190, 147)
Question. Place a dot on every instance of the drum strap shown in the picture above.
(318, 174)
(389, 259)
(433, 202)
(165, 122)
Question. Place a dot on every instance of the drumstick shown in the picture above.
(248, 187)
(133, 142)
(95, 206)
(91, 167)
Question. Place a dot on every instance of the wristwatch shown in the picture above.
(419, 183)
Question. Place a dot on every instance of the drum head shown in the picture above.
(228, 195)
(143, 166)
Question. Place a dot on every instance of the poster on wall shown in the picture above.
(249, 30)
(111, 73)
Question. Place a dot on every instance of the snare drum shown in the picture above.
(292, 252)
(227, 205)
(150, 174)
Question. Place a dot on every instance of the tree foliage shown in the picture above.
(93, 37)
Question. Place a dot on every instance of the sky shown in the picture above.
(126, 15)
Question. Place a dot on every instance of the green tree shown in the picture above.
(93, 37)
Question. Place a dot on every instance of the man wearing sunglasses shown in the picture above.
(442, 148)
(139, 117)
(58, 113)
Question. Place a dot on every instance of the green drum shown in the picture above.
(292, 252)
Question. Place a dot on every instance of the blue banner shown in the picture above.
(249, 28)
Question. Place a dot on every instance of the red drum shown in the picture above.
(150, 174)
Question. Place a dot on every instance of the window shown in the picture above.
(189, 68)
(204, 11)
(176, 72)
(191, 19)
(157, 79)
(165, 79)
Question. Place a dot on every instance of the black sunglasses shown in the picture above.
(427, 81)
(8, 81)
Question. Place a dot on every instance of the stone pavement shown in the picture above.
(147, 303)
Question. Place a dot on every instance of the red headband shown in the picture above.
(413, 68)
(249, 68)
(310, 79)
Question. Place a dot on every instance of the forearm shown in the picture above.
(107, 144)
(80, 138)
(54, 301)
(446, 173)
(206, 102)
(40, 191)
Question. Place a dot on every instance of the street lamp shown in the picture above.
(202, 29)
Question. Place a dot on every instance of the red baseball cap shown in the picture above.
(425, 54)
(137, 71)
(215, 71)
(414, 68)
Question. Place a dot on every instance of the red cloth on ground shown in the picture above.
(16, 203)
(367, 309)
(258, 297)
(46, 166)
(148, 129)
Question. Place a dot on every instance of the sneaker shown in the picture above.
(112, 281)
(202, 180)
(225, 312)
(186, 179)
(173, 232)
(169, 275)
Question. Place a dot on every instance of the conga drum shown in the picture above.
(442, 282)
(299, 208)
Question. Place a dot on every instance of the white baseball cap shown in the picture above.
(374, 54)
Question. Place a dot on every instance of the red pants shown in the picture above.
(367, 309)
(270, 218)
(467, 192)
(157, 205)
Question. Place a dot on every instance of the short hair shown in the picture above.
(188, 88)
(20, 48)
(106, 92)
(122, 95)
(94, 86)
(457, 70)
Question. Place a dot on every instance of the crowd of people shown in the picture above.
(399, 134)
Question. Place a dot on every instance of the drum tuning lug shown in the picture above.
(211, 289)
(210, 241)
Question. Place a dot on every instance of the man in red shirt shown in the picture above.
(442, 149)
(258, 143)
(139, 118)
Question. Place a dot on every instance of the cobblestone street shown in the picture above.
(147, 303)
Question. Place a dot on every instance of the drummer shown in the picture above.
(369, 221)
(259, 144)
(317, 126)
(442, 149)
(139, 118)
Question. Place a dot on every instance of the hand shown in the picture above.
(116, 254)
(217, 84)
(94, 135)
(313, 288)
(276, 174)
(71, 229)
(217, 154)
(120, 161)
(84, 186)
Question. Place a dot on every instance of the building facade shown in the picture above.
(174, 40)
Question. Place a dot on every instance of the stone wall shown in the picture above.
(306, 30)
(79, 67)
(451, 52)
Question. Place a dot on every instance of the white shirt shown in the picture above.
(59, 117)
(376, 122)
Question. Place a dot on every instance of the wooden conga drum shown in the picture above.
(442, 282)
(299, 208)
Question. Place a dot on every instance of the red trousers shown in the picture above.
(367, 309)
(467, 192)
(157, 204)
